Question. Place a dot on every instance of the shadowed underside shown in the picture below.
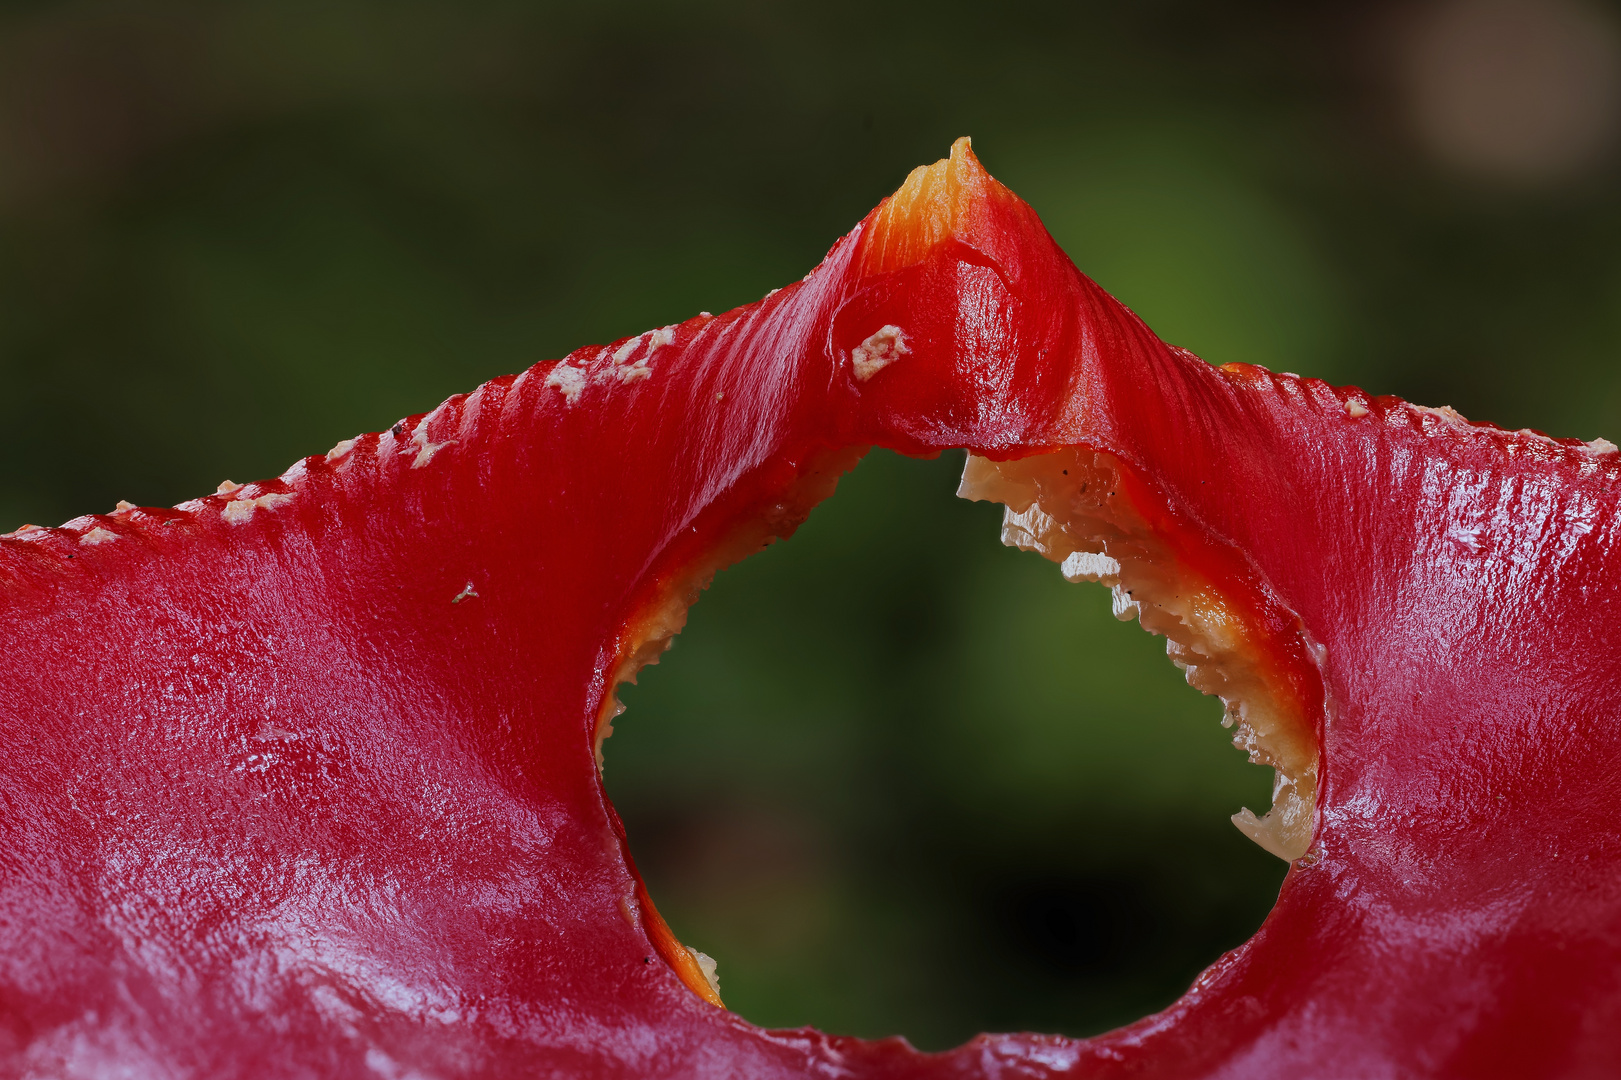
(300, 778)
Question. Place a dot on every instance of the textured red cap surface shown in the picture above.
(299, 778)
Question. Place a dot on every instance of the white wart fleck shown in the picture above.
(426, 449)
(634, 372)
(878, 352)
(708, 966)
(568, 380)
(623, 352)
(659, 338)
(238, 511)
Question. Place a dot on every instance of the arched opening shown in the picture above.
(899, 779)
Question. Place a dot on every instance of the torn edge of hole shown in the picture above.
(1069, 507)
(652, 628)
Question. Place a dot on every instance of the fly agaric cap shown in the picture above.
(302, 778)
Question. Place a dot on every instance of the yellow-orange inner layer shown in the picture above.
(1072, 507)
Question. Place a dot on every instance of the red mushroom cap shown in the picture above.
(299, 778)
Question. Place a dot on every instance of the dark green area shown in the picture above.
(894, 777)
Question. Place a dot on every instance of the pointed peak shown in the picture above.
(935, 203)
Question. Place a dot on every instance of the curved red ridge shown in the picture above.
(306, 787)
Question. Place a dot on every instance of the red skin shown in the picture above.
(275, 806)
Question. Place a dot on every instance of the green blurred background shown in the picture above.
(894, 777)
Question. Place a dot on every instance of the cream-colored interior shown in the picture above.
(1067, 506)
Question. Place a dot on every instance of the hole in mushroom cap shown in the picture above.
(900, 779)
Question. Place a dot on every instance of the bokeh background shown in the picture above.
(894, 777)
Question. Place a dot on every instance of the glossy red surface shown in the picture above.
(305, 786)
